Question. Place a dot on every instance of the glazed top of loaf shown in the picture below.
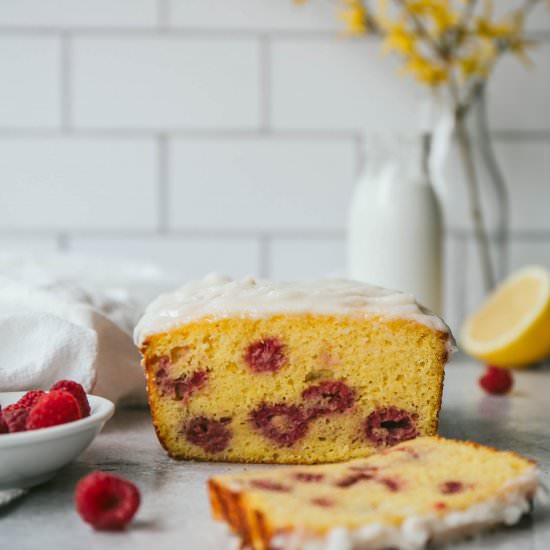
(218, 297)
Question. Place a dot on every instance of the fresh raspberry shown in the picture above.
(77, 391)
(3, 426)
(268, 485)
(211, 435)
(30, 398)
(267, 355)
(15, 418)
(496, 381)
(53, 408)
(106, 501)
(284, 424)
(14, 406)
(451, 487)
(328, 397)
(389, 425)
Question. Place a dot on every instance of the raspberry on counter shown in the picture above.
(106, 501)
(496, 380)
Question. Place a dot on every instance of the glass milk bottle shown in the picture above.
(395, 228)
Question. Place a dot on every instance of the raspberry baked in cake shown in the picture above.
(421, 491)
(309, 372)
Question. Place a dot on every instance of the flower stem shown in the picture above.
(474, 197)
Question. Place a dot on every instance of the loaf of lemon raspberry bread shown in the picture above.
(310, 372)
(421, 491)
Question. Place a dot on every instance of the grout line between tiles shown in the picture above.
(518, 236)
(163, 14)
(66, 83)
(162, 184)
(265, 83)
(62, 242)
(192, 232)
(511, 136)
(265, 256)
(162, 27)
(359, 154)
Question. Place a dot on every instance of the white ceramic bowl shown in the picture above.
(33, 457)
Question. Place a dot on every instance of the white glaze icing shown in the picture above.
(218, 297)
(415, 532)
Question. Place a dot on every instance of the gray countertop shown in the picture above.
(175, 513)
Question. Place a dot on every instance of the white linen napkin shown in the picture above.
(52, 328)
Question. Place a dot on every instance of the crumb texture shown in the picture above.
(293, 388)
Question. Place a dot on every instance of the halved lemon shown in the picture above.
(512, 327)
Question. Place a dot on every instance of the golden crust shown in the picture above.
(251, 526)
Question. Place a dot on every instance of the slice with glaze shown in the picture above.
(263, 371)
(427, 490)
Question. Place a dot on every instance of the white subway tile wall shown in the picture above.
(325, 257)
(72, 183)
(186, 257)
(226, 135)
(331, 83)
(165, 83)
(260, 183)
(79, 13)
(30, 88)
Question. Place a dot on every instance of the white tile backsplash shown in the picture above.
(78, 13)
(526, 252)
(184, 257)
(307, 258)
(255, 15)
(522, 251)
(518, 94)
(30, 84)
(338, 83)
(260, 183)
(69, 184)
(225, 135)
(538, 20)
(526, 168)
(165, 82)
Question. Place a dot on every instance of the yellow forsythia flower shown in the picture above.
(399, 39)
(354, 17)
(426, 71)
(479, 61)
(438, 14)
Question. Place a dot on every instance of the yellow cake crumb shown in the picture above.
(300, 388)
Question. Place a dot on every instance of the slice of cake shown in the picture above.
(263, 371)
(426, 490)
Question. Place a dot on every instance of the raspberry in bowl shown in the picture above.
(40, 432)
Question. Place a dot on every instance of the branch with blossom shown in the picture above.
(443, 42)
(450, 45)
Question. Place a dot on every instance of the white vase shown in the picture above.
(395, 228)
